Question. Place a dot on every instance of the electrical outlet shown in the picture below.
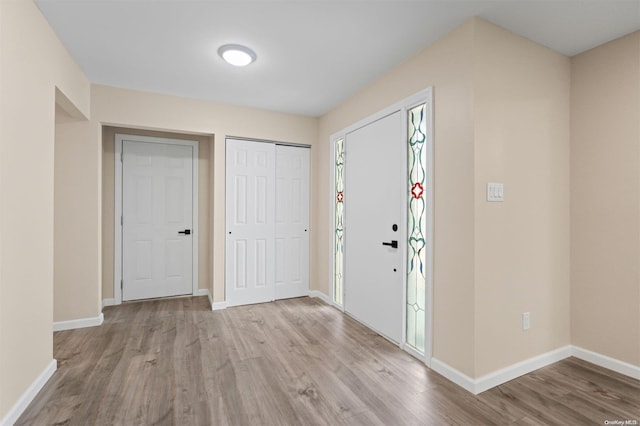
(526, 320)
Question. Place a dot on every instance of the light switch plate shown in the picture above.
(495, 192)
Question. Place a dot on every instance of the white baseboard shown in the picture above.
(25, 399)
(607, 362)
(217, 306)
(205, 292)
(78, 323)
(456, 376)
(326, 299)
(202, 292)
(320, 295)
(521, 368)
(501, 376)
(108, 302)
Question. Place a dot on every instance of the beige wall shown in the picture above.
(134, 109)
(501, 113)
(32, 64)
(77, 260)
(605, 199)
(521, 115)
(448, 66)
(108, 197)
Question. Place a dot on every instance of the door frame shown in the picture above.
(117, 217)
(424, 96)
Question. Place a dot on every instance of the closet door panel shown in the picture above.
(267, 222)
(250, 217)
(292, 222)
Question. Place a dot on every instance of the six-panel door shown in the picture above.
(250, 218)
(292, 222)
(267, 215)
(157, 205)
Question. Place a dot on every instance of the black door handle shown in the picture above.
(185, 232)
(393, 243)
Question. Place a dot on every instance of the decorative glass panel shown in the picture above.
(417, 220)
(339, 222)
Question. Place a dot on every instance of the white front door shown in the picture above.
(292, 222)
(374, 188)
(250, 200)
(157, 204)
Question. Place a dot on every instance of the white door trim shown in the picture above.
(424, 96)
(239, 138)
(117, 217)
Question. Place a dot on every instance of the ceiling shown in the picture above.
(312, 54)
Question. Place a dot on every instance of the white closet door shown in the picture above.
(292, 222)
(157, 252)
(250, 214)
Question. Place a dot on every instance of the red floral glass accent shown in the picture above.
(340, 196)
(417, 190)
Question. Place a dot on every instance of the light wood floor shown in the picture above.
(293, 362)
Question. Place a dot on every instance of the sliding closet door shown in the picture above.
(267, 215)
(292, 222)
(250, 217)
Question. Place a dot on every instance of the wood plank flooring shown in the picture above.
(291, 362)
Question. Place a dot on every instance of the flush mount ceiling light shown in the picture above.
(237, 55)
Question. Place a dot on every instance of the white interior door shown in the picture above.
(250, 217)
(157, 204)
(374, 188)
(292, 222)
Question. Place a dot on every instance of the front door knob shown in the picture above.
(393, 243)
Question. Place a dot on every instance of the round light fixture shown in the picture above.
(237, 55)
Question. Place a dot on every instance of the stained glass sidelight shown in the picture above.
(417, 220)
(339, 222)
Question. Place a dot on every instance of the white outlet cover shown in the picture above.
(526, 321)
